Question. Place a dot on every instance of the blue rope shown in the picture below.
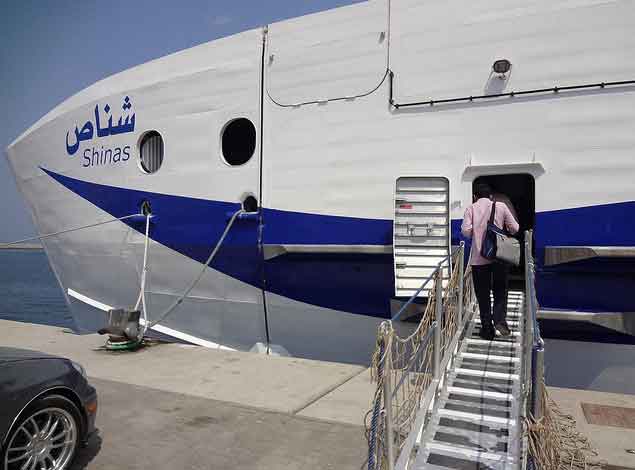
(372, 438)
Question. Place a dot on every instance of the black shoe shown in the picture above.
(487, 333)
(503, 329)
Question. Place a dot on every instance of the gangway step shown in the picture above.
(512, 334)
(489, 357)
(474, 420)
(480, 393)
(444, 462)
(496, 342)
(503, 367)
(488, 410)
(510, 323)
(462, 425)
(491, 460)
(478, 440)
(477, 400)
(485, 349)
(478, 418)
(482, 386)
(485, 373)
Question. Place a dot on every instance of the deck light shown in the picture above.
(501, 67)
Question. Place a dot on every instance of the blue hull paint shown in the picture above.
(359, 284)
(364, 284)
(600, 285)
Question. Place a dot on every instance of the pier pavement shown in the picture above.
(186, 407)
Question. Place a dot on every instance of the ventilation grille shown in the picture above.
(151, 151)
(421, 232)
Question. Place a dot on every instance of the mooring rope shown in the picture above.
(74, 229)
(141, 300)
(554, 443)
(196, 280)
(372, 431)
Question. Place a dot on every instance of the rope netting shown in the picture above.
(408, 363)
(554, 442)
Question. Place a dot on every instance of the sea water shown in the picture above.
(29, 291)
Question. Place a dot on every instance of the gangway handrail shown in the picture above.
(532, 371)
(444, 331)
(425, 282)
(411, 372)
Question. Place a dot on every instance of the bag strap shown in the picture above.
(491, 216)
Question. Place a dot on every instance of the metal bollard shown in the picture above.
(459, 308)
(438, 291)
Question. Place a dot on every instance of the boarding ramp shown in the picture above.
(447, 399)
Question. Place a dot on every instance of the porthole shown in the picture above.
(238, 141)
(151, 152)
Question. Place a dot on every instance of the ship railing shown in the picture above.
(410, 372)
(532, 365)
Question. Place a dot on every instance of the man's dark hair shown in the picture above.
(482, 190)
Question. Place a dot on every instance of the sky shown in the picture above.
(53, 49)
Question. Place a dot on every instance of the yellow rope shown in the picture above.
(554, 441)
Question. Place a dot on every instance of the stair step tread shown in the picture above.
(480, 393)
(467, 363)
(478, 418)
(481, 440)
(495, 342)
(480, 385)
(489, 410)
(476, 400)
(438, 461)
(489, 357)
(494, 429)
(486, 374)
(467, 453)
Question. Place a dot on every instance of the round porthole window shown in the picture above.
(238, 141)
(151, 152)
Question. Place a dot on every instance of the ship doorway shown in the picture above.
(521, 191)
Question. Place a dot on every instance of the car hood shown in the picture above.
(16, 354)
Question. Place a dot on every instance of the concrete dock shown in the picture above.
(180, 406)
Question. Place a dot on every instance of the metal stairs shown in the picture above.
(473, 424)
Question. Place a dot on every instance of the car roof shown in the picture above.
(17, 354)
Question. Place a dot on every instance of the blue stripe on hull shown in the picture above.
(588, 285)
(364, 284)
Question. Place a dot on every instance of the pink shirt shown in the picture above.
(475, 225)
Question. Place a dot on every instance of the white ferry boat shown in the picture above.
(352, 138)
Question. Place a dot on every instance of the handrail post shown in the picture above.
(438, 291)
(388, 406)
(527, 328)
(459, 308)
(537, 408)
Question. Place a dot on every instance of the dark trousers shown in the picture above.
(486, 278)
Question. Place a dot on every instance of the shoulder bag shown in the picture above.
(497, 245)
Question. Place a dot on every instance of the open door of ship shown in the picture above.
(519, 191)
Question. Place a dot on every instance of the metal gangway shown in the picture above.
(447, 399)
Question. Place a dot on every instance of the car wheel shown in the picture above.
(45, 436)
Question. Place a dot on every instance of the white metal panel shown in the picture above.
(335, 53)
(421, 235)
(581, 41)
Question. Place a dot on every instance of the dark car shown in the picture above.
(47, 409)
